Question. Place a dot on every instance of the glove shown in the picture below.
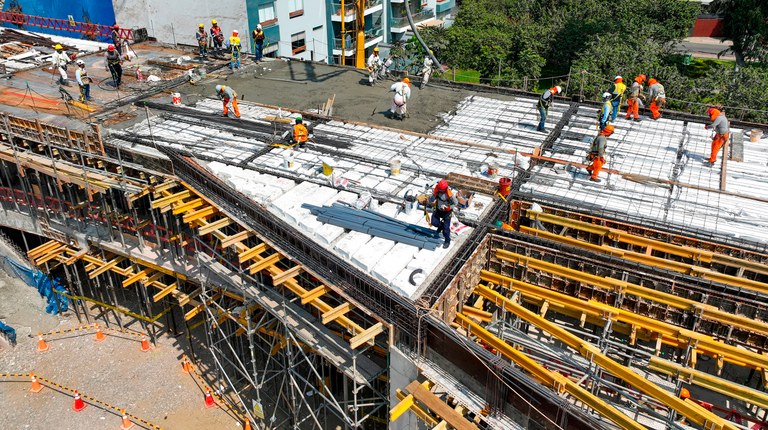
(706, 126)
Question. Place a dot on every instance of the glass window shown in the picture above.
(296, 5)
(298, 42)
(267, 12)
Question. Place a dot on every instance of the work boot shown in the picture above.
(708, 163)
(446, 244)
(637, 120)
(595, 180)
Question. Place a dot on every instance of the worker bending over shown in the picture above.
(234, 46)
(400, 99)
(300, 132)
(597, 152)
(217, 36)
(426, 71)
(59, 62)
(81, 76)
(374, 65)
(719, 123)
(544, 104)
(617, 92)
(114, 65)
(604, 117)
(635, 94)
(657, 96)
(226, 94)
(202, 41)
(443, 200)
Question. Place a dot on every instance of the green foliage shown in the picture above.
(746, 25)
(471, 76)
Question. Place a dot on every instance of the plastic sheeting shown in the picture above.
(44, 285)
(9, 332)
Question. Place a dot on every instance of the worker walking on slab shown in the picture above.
(217, 36)
(635, 94)
(597, 152)
(443, 200)
(606, 112)
(59, 62)
(234, 46)
(617, 92)
(657, 96)
(81, 75)
(226, 94)
(258, 42)
(719, 123)
(202, 41)
(114, 65)
(545, 101)
(426, 71)
(300, 132)
(374, 65)
(400, 99)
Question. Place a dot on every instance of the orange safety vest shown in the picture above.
(300, 133)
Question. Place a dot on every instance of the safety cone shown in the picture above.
(209, 402)
(41, 345)
(79, 403)
(186, 366)
(100, 336)
(144, 344)
(247, 425)
(36, 387)
(126, 422)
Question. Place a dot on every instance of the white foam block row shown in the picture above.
(393, 262)
(369, 255)
(350, 243)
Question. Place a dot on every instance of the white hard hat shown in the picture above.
(559, 90)
(258, 26)
(617, 78)
(80, 63)
(606, 95)
(218, 88)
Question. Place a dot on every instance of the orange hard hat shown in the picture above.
(652, 81)
(618, 79)
(111, 48)
(713, 113)
(640, 78)
(442, 185)
(685, 394)
(608, 130)
(406, 80)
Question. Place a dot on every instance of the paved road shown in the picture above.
(705, 47)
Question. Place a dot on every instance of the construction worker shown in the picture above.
(116, 40)
(217, 36)
(443, 200)
(635, 94)
(657, 96)
(402, 92)
(59, 61)
(597, 152)
(426, 71)
(300, 132)
(202, 41)
(544, 103)
(226, 94)
(719, 123)
(617, 92)
(234, 46)
(258, 39)
(114, 65)
(81, 75)
(374, 66)
(604, 117)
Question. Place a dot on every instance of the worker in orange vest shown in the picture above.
(443, 200)
(217, 36)
(657, 96)
(635, 94)
(300, 132)
(719, 123)
(597, 152)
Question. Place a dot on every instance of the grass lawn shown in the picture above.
(471, 76)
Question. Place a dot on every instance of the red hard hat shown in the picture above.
(685, 394)
(608, 130)
(111, 48)
(442, 185)
(640, 78)
(115, 26)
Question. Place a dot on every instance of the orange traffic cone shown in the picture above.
(126, 422)
(79, 403)
(41, 345)
(36, 387)
(209, 402)
(100, 336)
(186, 366)
(247, 425)
(144, 344)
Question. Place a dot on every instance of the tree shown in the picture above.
(745, 23)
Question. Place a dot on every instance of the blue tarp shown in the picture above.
(44, 285)
(9, 332)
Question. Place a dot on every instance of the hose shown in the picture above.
(418, 36)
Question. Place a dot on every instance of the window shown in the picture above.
(298, 42)
(296, 8)
(267, 14)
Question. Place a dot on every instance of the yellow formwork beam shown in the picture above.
(183, 207)
(201, 213)
(424, 396)
(710, 382)
(287, 274)
(567, 222)
(107, 266)
(235, 238)
(336, 312)
(253, 252)
(173, 198)
(216, 225)
(366, 336)
(708, 312)
(477, 314)
(692, 411)
(399, 409)
(164, 291)
(265, 263)
(136, 277)
(547, 377)
(43, 249)
(314, 293)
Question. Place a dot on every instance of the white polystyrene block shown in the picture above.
(350, 243)
(394, 262)
(369, 255)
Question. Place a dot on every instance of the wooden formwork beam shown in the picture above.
(173, 198)
(182, 207)
(336, 312)
(264, 263)
(235, 238)
(253, 252)
(201, 213)
(214, 226)
(286, 275)
(164, 291)
(367, 336)
(313, 294)
(141, 274)
(107, 266)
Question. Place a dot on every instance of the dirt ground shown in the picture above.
(148, 385)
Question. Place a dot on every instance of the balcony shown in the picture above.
(350, 9)
(372, 37)
(444, 5)
(400, 24)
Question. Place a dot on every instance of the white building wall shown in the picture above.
(316, 39)
(167, 20)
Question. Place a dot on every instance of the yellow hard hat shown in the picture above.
(213, 21)
(58, 46)
(200, 25)
(376, 49)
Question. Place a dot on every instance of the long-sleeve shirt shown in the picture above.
(656, 91)
(216, 33)
(81, 75)
(403, 89)
(374, 61)
(227, 93)
(59, 59)
(546, 99)
(202, 37)
(428, 62)
(636, 90)
(720, 124)
(444, 201)
(605, 113)
(598, 145)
